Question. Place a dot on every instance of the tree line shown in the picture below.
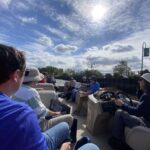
(120, 71)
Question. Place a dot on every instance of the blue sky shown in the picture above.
(76, 33)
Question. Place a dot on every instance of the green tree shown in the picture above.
(108, 76)
(122, 69)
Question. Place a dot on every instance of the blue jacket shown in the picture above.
(19, 129)
(142, 109)
(94, 87)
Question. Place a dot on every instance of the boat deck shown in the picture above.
(100, 140)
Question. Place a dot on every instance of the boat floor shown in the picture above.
(100, 140)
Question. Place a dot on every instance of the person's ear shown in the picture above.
(15, 75)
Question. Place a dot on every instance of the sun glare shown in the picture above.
(98, 12)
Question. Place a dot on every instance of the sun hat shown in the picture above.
(32, 74)
(146, 76)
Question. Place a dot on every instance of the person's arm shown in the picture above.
(88, 92)
(139, 110)
(41, 108)
(53, 113)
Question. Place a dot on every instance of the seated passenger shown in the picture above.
(84, 83)
(44, 80)
(29, 95)
(91, 88)
(131, 116)
(51, 79)
(19, 128)
(72, 87)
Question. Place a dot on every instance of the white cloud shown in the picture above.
(19, 5)
(78, 31)
(25, 20)
(57, 32)
(106, 56)
(103, 59)
(43, 58)
(4, 39)
(33, 46)
(43, 39)
(5, 3)
(61, 48)
(67, 23)
(119, 48)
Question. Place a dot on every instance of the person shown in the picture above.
(51, 79)
(44, 80)
(131, 116)
(17, 120)
(29, 95)
(91, 88)
(72, 87)
(19, 128)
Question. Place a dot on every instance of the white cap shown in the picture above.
(146, 76)
(32, 74)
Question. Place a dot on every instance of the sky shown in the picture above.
(77, 34)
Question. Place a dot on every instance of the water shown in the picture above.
(60, 82)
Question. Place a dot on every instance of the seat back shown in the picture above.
(45, 86)
(46, 97)
(97, 120)
(138, 138)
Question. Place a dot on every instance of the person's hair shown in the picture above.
(147, 87)
(11, 59)
(93, 78)
(45, 73)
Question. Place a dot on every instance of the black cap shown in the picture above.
(92, 78)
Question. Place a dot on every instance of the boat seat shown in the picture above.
(138, 138)
(45, 86)
(46, 97)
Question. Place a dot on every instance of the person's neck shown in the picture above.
(6, 89)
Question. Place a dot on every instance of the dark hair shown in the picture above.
(11, 59)
(93, 78)
(147, 86)
(45, 73)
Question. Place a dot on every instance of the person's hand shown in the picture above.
(118, 102)
(57, 113)
(65, 146)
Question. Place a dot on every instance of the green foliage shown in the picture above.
(69, 72)
(108, 76)
(52, 70)
(122, 70)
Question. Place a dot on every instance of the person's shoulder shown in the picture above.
(27, 92)
(97, 83)
(145, 97)
(25, 89)
(32, 91)
(14, 109)
(19, 105)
